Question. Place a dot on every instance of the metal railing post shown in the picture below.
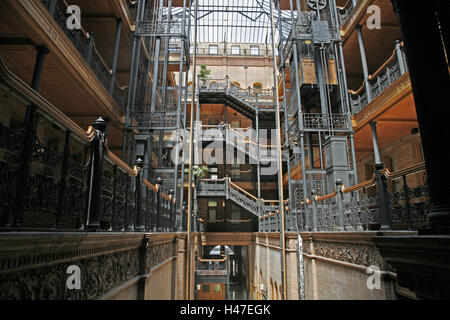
(314, 211)
(139, 225)
(340, 205)
(172, 226)
(159, 210)
(400, 58)
(96, 175)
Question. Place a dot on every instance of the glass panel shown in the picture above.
(213, 49)
(235, 50)
(212, 203)
(254, 50)
(212, 214)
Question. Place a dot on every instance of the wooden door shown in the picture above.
(212, 291)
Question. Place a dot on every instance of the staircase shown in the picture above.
(243, 142)
(245, 102)
(226, 188)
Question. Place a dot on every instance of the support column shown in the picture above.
(258, 164)
(30, 125)
(90, 48)
(135, 54)
(428, 70)
(115, 55)
(364, 63)
(279, 159)
(291, 225)
(382, 191)
(399, 53)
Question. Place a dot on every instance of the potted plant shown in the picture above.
(203, 74)
(198, 172)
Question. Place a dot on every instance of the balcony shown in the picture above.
(391, 70)
(85, 43)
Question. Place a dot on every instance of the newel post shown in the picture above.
(139, 225)
(96, 175)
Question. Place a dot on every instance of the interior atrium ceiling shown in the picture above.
(237, 21)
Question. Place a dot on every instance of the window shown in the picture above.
(254, 50)
(212, 214)
(213, 173)
(212, 203)
(205, 287)
(257, 85)
(213, 49)
(191, 50)
(235, 50)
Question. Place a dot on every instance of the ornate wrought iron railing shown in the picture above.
(155, 120)
(241, 140)
(226, 188)
(161, 28)
(319, 121)
(345, 12)
(86, 46)
(380, 80)
(253, 98)
(358, 208)
(54, 175)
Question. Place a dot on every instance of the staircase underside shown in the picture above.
(220, 97)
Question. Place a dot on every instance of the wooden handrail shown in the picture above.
(382, 66)
(371, 76)
(25, 91)
(239, 221)
(360, 186)
(150, 186)
(325, 197)
(250, 140)
(359, 90)
(115, 159)
(404, 172)
(212, 260)
(239, 188)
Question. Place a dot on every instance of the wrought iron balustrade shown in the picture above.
(392, 69)
(211, 187)
(253, 98)
(157, 119)
(82, 42)
(319, 121)
(54, 175)
(345, 12)
(358, 207)
(161, 28)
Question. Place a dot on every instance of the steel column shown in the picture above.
(364, 63)
(115, 55)
(280, 158)
(30, 125)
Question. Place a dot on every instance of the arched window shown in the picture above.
(271, 289)
(257, 86)
(276, 291)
